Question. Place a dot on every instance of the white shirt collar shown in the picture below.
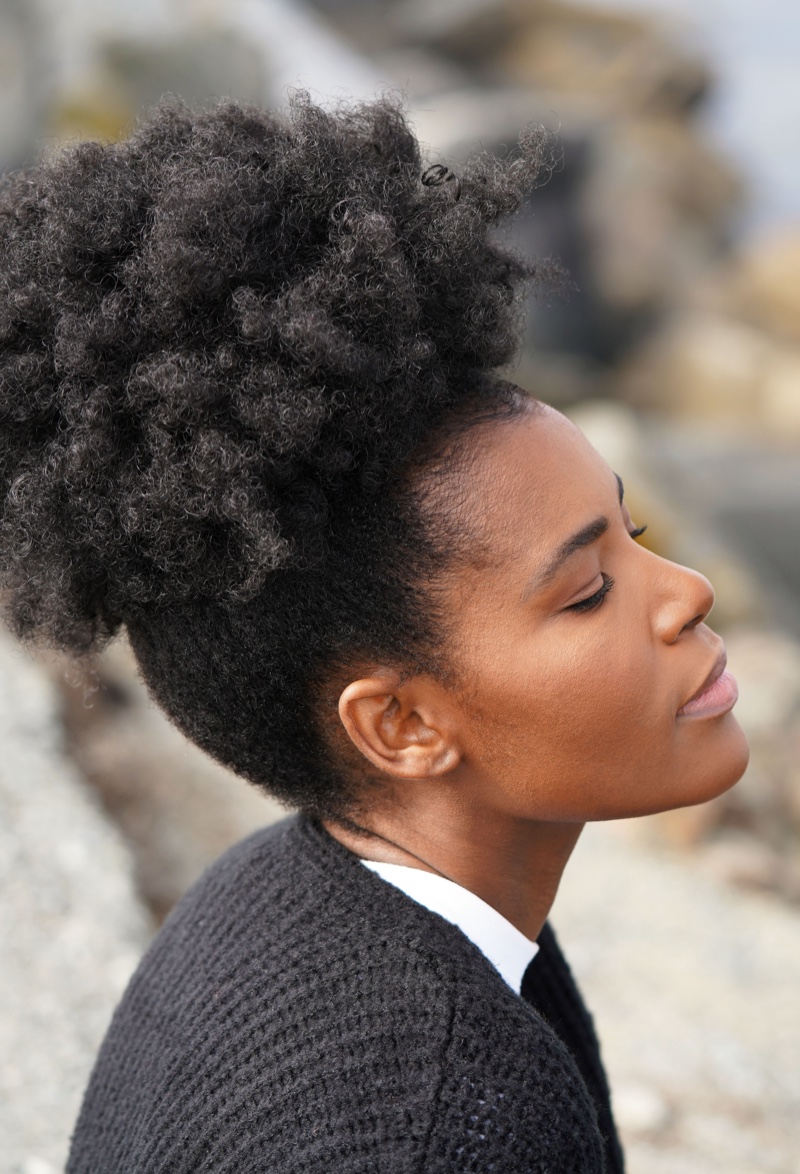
(507, 949)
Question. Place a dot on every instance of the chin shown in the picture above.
(716, 765)
(706, 771)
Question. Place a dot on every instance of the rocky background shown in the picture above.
(677, 350)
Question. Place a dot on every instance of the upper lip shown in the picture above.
(717, 669)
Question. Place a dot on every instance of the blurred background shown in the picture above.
(677, 211)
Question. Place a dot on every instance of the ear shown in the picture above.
(399, 727)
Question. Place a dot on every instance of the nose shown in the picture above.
(685, 597)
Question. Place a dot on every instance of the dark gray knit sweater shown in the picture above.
(297, 1014)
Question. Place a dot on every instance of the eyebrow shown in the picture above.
(582, 538)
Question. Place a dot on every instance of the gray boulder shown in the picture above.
(71, 925)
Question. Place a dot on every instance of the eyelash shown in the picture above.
(593, 601)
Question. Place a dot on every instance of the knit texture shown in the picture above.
(298, 1014)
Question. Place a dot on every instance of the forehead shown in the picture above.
(532, 481)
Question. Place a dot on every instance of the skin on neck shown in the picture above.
(514, 868)
(574, 650)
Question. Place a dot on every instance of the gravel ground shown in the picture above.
(71, 927)
(695, 989)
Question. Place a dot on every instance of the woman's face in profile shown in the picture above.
(576, 648)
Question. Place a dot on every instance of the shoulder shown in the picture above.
(298, 1013)
(511, 1096)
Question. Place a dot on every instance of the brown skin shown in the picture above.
(559, 715)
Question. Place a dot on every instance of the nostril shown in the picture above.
(681, 592)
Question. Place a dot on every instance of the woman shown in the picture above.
(249, 413)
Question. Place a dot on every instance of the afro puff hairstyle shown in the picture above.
(222, 343)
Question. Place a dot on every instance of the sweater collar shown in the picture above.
(509, 951)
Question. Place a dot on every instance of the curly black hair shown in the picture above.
(224, 342)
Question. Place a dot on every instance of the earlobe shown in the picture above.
(395, 730)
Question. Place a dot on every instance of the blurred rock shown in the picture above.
(699, 367)
(706, 367)
(128, 76)
(419, 72)
(299, 48)
(71, 926)
(613, 60)
(201, 64)
(25, 80)
(731, 355)
(649, 205)
(561, 379)
(620, 61)
(686, 828)
(780, 395)
(469, 31)
(693, 987)
(176, 807)
(639, 1109)
(766, 801)
(741, 859)
(763, 284)
(768, 670)
(656, 205)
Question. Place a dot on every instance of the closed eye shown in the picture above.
(593, 601)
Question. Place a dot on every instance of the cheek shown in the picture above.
(578, 722)
(587, 731)
(594, 687)
(563, 719)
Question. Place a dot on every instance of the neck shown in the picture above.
(514, 865)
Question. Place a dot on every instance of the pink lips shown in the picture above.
(716, 696)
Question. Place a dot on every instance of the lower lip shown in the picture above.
(713, 701)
